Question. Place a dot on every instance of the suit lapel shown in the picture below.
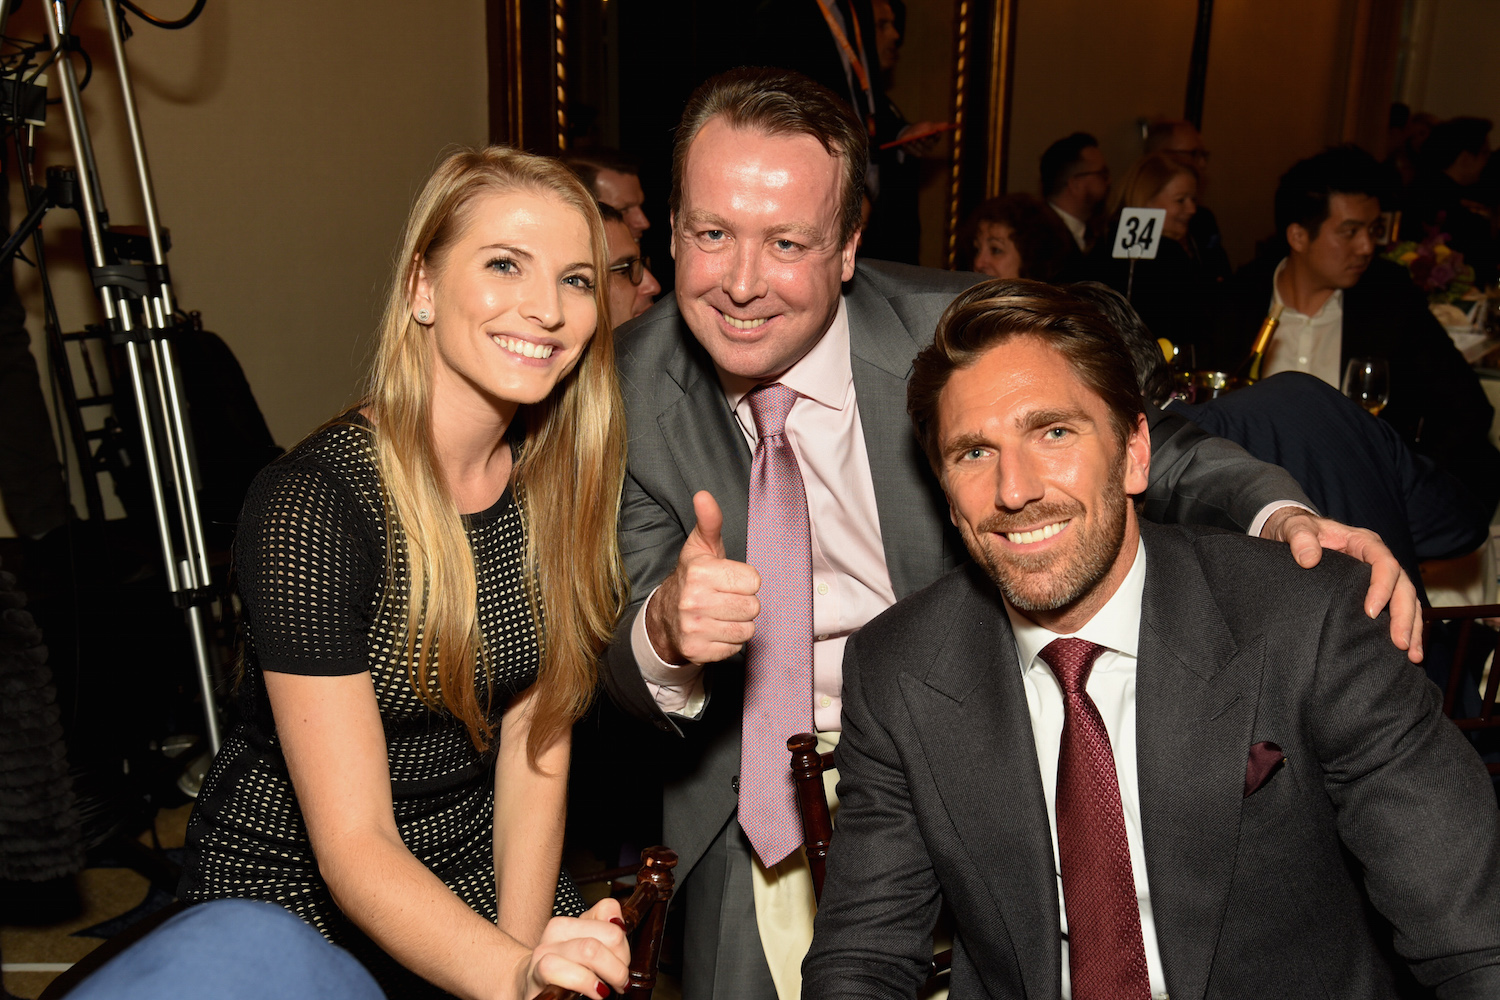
(711, 454)
(1196, 697)
(912, 514)
(969, 712)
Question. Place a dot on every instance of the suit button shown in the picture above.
(734, 783)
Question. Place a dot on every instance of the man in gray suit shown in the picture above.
(767, 177)
(1133, 760)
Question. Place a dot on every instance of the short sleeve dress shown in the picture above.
(310, 563)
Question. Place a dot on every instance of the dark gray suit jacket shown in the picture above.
(1381, 799)
(683, 438)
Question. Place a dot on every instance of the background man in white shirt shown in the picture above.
(1131, 758)
(1342, 301)
(1075, 182)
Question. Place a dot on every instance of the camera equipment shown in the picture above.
(129, 273)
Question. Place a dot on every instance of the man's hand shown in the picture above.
(705, 611)
(919, 146)
(1309, 535)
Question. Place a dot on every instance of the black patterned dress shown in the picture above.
(310, 563)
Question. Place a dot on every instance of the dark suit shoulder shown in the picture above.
(1385, 281)
(1253, 581)
(658, 358)
(910, 634)
(892, 280)
(651, 337)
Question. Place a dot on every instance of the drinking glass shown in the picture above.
(1367, 381)
(1181, 360)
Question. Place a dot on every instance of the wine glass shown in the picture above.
(1367, 381)
(1181, 360)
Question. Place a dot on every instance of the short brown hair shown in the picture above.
(587, 164)
(778, 102)
(993, 312)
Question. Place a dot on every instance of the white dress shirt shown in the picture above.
(851, 582)
(1312, 344)
(1075, 225)
(1111, 686)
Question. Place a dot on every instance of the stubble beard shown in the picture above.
(1022, 578)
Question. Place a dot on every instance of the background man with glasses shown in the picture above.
(632, 287)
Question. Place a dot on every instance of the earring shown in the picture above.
(423, 315)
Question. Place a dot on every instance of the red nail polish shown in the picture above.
(602, 990)
(617, 922)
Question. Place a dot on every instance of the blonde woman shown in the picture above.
(1175, 293)
(1161, 180)
(427, 582)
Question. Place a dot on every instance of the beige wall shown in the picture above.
(1273, 94)
(1458, 70)
(1094, 66)
(923, 90)
(286, 139)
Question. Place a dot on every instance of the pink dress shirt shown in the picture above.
(851, 583)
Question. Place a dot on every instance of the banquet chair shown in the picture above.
(812, 804)
(644, 914)
(817, 822)
(1474, 640)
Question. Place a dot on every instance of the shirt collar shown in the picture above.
(1334, 304)
(824, 374)
(1116, 626)
(1075, 225)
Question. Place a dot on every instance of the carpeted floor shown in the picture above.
(33, 956)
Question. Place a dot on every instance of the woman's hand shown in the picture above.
(587, 954)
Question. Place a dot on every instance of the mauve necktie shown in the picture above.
(1106, 954)
(778, 659)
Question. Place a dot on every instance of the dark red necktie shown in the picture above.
(1106, 954)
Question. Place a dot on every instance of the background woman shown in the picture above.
(1018, 236)
(1174, 293)
(427, 581)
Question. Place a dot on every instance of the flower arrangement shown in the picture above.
(1437, 268)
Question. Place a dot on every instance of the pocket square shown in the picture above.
(1265, 758)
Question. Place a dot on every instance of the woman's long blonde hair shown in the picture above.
(567, 477)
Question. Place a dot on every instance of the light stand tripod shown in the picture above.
(134, 288)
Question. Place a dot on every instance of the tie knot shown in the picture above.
(1071, 660)
(769, 405)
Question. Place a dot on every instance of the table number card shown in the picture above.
(1139, 233)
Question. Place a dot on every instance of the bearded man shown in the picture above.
(1133, 760)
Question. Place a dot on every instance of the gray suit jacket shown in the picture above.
(683, 438)
(1381, 799)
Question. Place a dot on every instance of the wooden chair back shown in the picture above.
(817, 822)
(812, 803)
(1473, 640)
(644, 914)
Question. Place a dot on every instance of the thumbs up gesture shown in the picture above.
(705, 611)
